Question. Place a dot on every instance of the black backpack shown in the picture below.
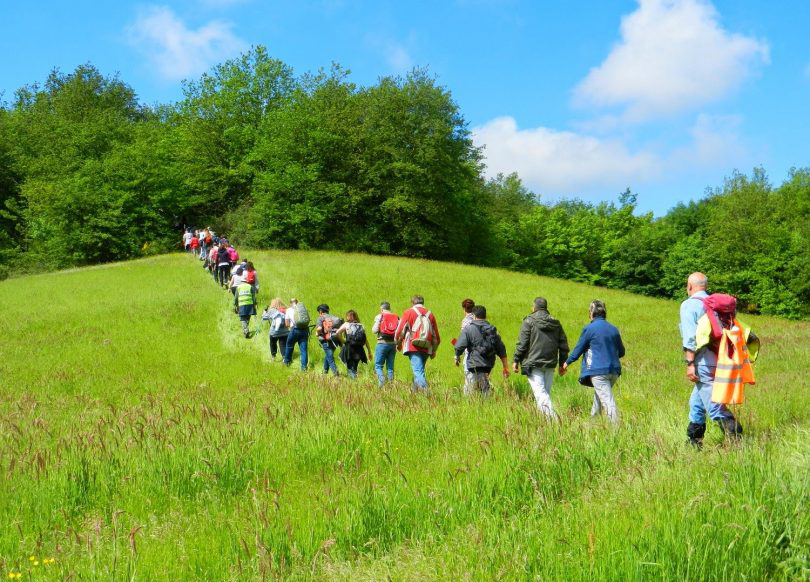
(356, 334)
(487, 344)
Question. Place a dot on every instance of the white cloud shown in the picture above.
(396, 54)
(175, 50)
(673, 56)
(567, 163)
(562, 162)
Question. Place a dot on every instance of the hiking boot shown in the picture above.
(695, 432)
(730, 427)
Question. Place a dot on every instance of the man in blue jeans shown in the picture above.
(701, 367)
(326, 327)
(418, 336)
(297, 335)
(386, 348)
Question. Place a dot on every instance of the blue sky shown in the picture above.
(580, 98)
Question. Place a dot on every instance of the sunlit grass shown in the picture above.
(141, 436)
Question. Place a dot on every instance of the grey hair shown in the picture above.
(597, 308)
(385, 305)
(417, 299)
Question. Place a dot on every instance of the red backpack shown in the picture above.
(389, 322)
(721, 309)
(250, 277)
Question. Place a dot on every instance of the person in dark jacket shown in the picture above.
(482, 344)
(601, 344)
(541, 346)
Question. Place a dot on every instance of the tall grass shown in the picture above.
(141, 437)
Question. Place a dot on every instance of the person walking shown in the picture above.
(700, 357)
(541, 346)
(187, 240)
(356, 348)
(251, 276)
(480, 343)
(205, 240)
(276, 315)
(237, 278)
(326, 327)
(469, 377)
(195, 243)
(223, 266)
(296, 318)
(244, 303)
(385, 327)
(601, 345)
(418, 338)
(233, 254)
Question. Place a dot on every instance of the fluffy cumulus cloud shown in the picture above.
(177, 51)
(562, 162)
(673, 56)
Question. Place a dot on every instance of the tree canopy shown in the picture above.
(88, 174)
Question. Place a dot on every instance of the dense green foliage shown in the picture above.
(88, 174)
(141, 438)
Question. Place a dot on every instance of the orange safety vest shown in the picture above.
(734, 368)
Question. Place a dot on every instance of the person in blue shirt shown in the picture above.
(601, 345)
(701, 367)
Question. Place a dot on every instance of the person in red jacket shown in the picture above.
(418, 338)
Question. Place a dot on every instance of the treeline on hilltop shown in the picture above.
(89, 174)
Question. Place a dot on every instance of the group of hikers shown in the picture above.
(718, 348)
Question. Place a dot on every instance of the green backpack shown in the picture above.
(300, 316)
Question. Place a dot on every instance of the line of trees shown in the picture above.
(88, 174)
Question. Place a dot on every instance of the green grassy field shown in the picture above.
(142, 438)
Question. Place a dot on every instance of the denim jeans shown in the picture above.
(701, 401)
(300, 337)
(329, 357)
(384, 356)
(418, 360)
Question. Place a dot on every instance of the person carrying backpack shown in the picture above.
(244, 303)
(223, 266)
(195, 244)
(233, 254)
(296, 318)
(601, 345)
(276, 315)
(542, 344)
(480, 343)
(418, 338)
(699, 314)
(251, 276)
(326, 327)
(356, 348)
(469, 378)
(385, 327)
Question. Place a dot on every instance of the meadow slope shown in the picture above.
(142, 438)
